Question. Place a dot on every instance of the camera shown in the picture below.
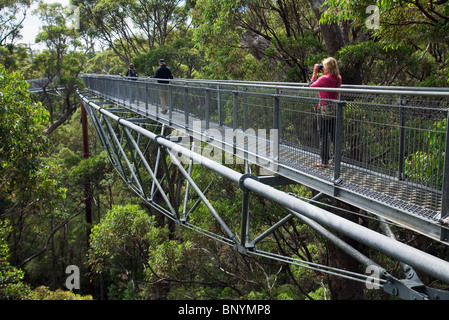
(320, 67)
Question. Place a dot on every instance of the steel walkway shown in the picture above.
(390, 157)
(389, 160)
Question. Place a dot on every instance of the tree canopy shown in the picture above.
(129, 251)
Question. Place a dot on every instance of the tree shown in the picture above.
(133, 27)
(181, 56)
(283, 34)
(22, 142)
(399, 21)
(12, 285)
(12, 15)
(158, 19)
(415, 31)
(122, 243)
(30, 187)
(59, 64)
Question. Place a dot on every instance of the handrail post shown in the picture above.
(220, 116)
(276, 115)
(277, 127)
(245, 218)
(338, 143)
(444, 236)
(123, 87)
(235, 100)
(158, 100)
(207, 105)
(245, 110)
(186, 106)
(401, 168)
(170, 102)
(129, 93)
(146, 99)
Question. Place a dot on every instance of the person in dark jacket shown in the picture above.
(163, 72)
(132, 72)
(132, 75)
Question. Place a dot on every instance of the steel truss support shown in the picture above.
(140, 156)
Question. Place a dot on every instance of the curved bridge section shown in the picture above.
(390, 147)
(39, 85)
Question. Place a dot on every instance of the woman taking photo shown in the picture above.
(326, 107)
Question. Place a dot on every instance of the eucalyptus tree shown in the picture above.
(30, 190)
(132, 27)
(283, 34)
(12, 16)
(416, 32)
(60, 62)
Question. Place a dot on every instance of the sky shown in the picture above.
(32, 23)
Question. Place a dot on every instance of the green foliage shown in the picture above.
(412, 38)
(14, 58)
(12, 286)
(43, 178)
(181, 56)
(91, 170)
(148, 62)
(105, 62)
(122, 228)
(23, 172)
(21, 122)
(427, 167)
(219, 22)
(319, 294)
(167, 258)
(375, 64)
(128, 237)
(44, 293)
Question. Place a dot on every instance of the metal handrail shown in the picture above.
(363, 89)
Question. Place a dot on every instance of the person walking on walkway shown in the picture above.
(326, 108)
(163, 72)
(132, 72)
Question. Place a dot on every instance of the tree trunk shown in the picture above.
(335, 38)
(342, 288)
(332, 34)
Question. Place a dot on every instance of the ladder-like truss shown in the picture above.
(138, 148)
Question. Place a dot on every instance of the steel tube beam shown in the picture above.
(388, 90)
(228, 231)
(336, 241)
(425, 262)
(280, 223)
(153, 175)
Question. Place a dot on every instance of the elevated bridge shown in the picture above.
(38, 85)
(389, 155)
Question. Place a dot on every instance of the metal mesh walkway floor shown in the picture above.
(412, 199)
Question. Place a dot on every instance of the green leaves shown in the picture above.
(427, 167)
(11, 278)
(21, 126)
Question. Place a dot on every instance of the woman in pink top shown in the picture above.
(331, 79)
